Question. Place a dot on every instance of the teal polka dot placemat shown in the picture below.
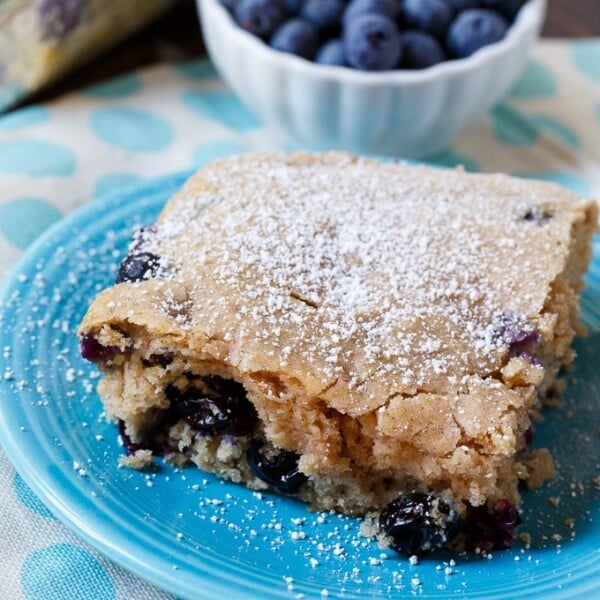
(142, 125)
(55, 158)
(41, 560)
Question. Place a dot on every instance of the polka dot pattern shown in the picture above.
(29, 499)
(586, 57)
(516, 129)
(132, 129)
(24, 117)
(197, 69)
(222, 107)
(65, 572)
(23, 220)
(36, 158)
(512, 128)
(218, 149)
(537, 82)
(121, 87)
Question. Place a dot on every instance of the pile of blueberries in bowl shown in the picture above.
(387, 77)
(376, 35)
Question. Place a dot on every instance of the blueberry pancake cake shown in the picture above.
(375, 339)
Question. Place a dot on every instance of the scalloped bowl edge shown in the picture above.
(401, 113)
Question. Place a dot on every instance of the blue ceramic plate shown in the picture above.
(195, 536)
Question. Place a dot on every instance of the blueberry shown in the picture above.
(420, 50)
(372, 43)
(531, 359)
(460, 5)
(152, 440)
(280, 471)
(332, 53)
(298, 37)
(524, 336)
(494, 529)
(528, 436)
(418, 523)
(162, 359)
(513, 331)
(430, 16)
(537, 216)
(293, 6)
(94, 351)
(325, 15)
(387, 8)
(225, 411)
(130, 447)
(59, 17)
(474, 29)
(230, 5)
(224, 387)
(509, 8)
(260, 17)
(137, 267)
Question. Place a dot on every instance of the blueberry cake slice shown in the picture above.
(370, 338)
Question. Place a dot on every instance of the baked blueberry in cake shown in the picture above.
(370, 338)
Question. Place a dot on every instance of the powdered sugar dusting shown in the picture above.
(360, 271)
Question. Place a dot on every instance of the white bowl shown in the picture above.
(399, 113)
